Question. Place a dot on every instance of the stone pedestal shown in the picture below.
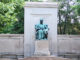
(42, 48)
(33, 12)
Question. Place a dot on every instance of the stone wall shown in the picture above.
(69, 44)
(12, 44)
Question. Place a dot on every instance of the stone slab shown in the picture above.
(44, 58)
(41, 4)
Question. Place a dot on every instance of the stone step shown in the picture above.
(7, 59)
(44, 58)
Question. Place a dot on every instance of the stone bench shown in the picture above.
(72, 55)
(12, 56)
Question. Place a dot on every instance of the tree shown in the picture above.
(19, 25)
(7, 17)
(67, 13)
(11, 17)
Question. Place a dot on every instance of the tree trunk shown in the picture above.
(59, 22)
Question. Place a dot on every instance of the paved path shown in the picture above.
(44, 58)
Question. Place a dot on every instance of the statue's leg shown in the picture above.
(37, 35)
(40, 34)
(45, 34)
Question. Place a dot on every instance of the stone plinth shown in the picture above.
(42, 48)
(44, 58)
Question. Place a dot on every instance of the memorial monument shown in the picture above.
(40, 29)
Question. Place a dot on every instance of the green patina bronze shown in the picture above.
(41, 31)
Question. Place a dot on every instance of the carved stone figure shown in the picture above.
(41, 31)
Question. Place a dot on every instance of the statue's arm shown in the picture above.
(36, 27)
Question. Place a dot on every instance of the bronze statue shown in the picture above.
(41, 30)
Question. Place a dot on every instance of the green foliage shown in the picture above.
(7, 17)
(11, 17)
(78, 0)
(10, 1)
(78, 9)
(19, 25)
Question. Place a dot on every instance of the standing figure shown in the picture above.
(41, 30)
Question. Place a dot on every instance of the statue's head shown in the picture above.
(41, 21)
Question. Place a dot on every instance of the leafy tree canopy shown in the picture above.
(11, 14)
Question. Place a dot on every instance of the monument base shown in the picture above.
(41, 48)
(43, 58)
